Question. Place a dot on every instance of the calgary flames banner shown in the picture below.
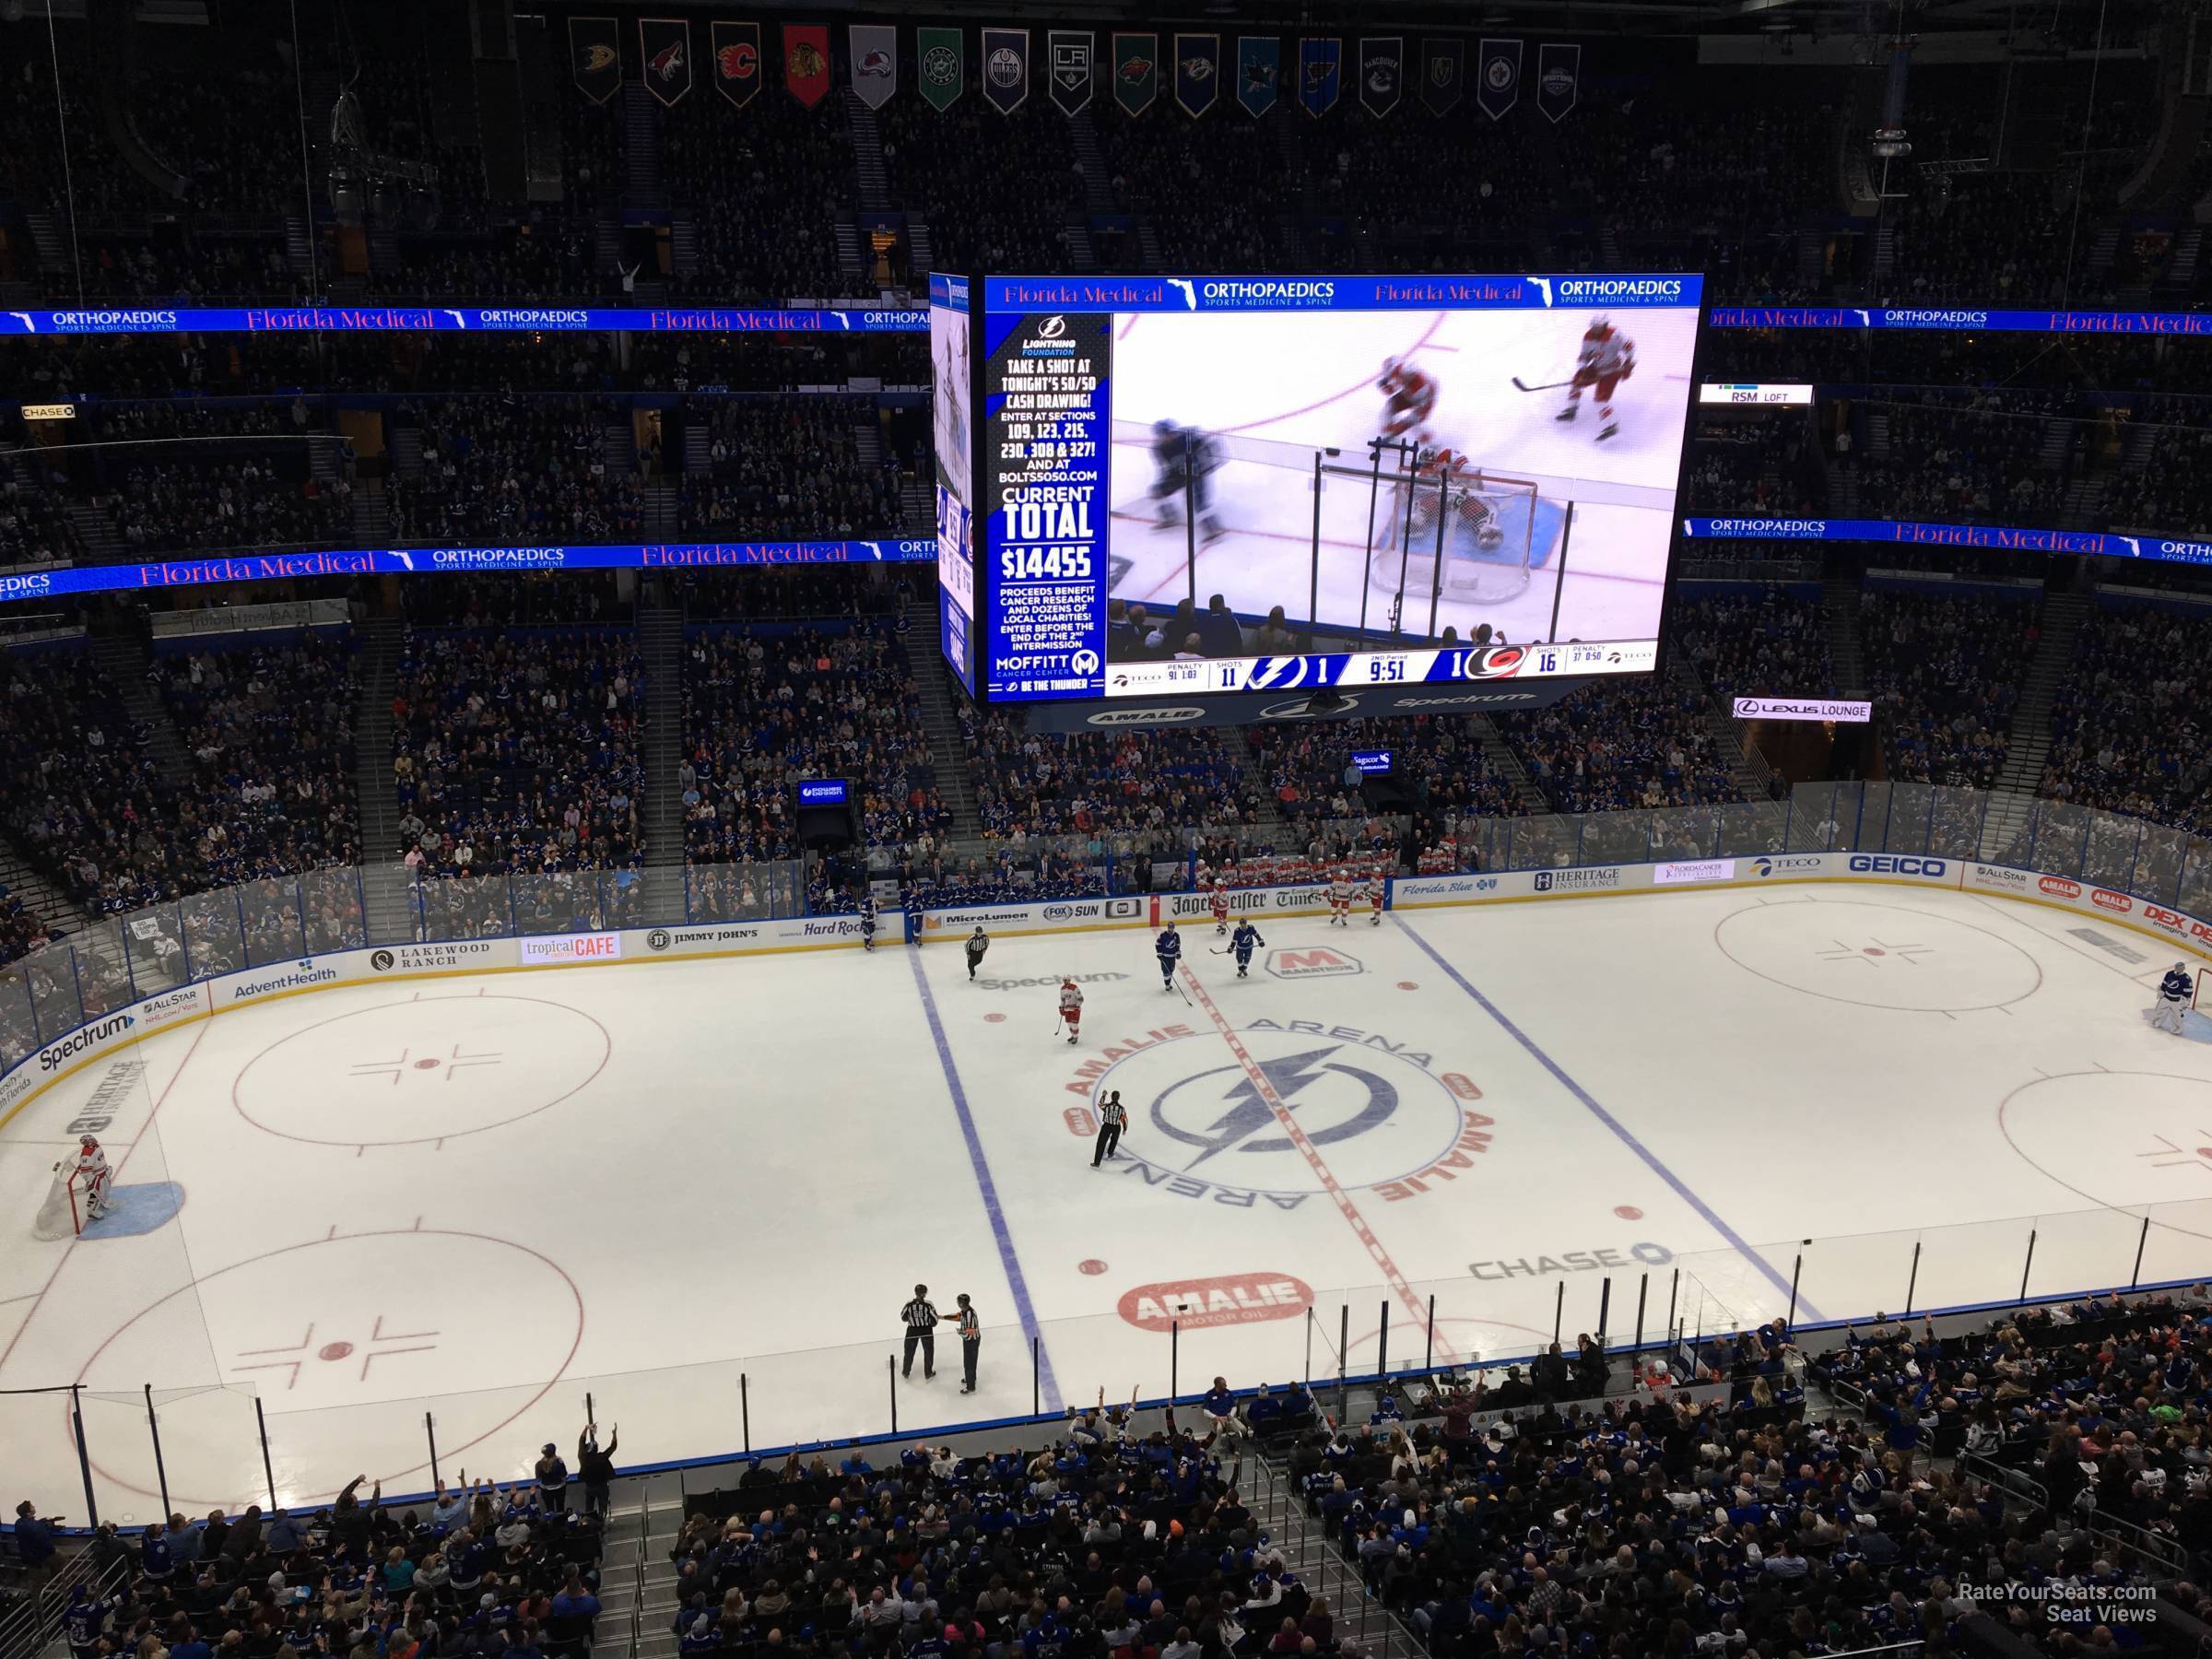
(664, 45)
(807, 61)
(737, 61)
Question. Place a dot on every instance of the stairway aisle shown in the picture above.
(386, 890)
(2027, 746)
(941, 719)
(661, 645)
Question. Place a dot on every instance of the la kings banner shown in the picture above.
(1070, 53)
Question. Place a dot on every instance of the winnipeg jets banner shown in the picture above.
(736, 60)
(596, 57)
(1068, 51)
(664, 45)
(1319, 72)
(1136, 72)
(1006, 68)
(940, 56)
(874, 62)
(806, 62)
(1259, 69)
(1558, 78)
(1498, 77)
(1382, 71)
(1198, 71)
(1443, 75)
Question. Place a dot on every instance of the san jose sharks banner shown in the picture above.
(1006, 68)
(1198, 71)
(595, 56)
(1498, 77)
(736, 60)
(1558, 78)
(1067, 53)
(940, 56)
(1319, 72)
(1382, 73)
(806, 62)
(1443, 75)
(874, 48)
(1136, 72)
(1259, 70)
(665, 45)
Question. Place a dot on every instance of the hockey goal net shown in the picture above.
(2202, 1001)
(65, 1213)
(1462, 533)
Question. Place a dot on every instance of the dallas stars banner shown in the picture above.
(596, 57)
(942, 56)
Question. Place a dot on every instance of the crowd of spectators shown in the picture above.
(1090, 784)
(2169, 492)
(761, 191)
(1973, 462)
(786, 467)
(34, 526)
(1762, 466)
(532, 470)
(1945, 673)
(224, 503)
(995, 190)
(1617, 749)
(1768, 644)
(2127, 723)
(1438, 763)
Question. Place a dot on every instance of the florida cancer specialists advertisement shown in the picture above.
(1079, 374)
(949, 379)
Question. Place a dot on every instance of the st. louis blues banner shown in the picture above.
(1006, 68)
(736, 60)
(1558, 78)
(1198, 71)
(1136, 72)
(1498, 77)
(1382, 73)
(874, 62)
(1319, 72)
(1443, 75)
(596, 57)
(1069, 51)
(664, 45)
(1259, 70)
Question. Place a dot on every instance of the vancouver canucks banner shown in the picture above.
(664, 45)
(1498, 77)
(1136, 72)
(1319, 72)
(1558, 78)
(596, 57)
(1068, 54)
(941, 55)
(1006, 68)
(1198, 71)
(736, 60)
(874, 62)
(1259, 68)
(1443, 75)
(1382, 73)
(806, 62)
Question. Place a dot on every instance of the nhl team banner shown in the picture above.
(941, 54)
(1198, 71)
(1006, 68)
(665, 43)
(1319, 72)
(1382, 73)
(595, 56)
(1068, 53)
(1136, 72)
(737, 61)
(1558, 78)
(874, 48)
(807, 61)
(1259, 72)
(1443, 75)
(1498, 77)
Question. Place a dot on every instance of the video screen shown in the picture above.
(949, 382)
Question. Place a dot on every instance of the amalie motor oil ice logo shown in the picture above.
(1222, 1299)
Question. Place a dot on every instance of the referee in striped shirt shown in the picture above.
(972, 1341)
(919, 1318)
(1112, 1115)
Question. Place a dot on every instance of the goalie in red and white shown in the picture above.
(1607, 357)
(1446, 482)
(1411, 400)
(91, 1177)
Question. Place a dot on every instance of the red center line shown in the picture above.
(1299, 1139)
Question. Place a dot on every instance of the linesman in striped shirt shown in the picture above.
(1112, 1116)
(920, 1321)
(972, 1341)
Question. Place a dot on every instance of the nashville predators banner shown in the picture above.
(595, 56)
(1259, 72)
(736, 60)
(807, 61)
(1136, 72)
(1006, 68)
(1382, 73)
(664, 45)
(874, 62)
(1198, 71)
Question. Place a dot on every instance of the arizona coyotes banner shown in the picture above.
(1259, 72)
(1069, 52)
(942, 56)
(807, 61)
(1198, 71)
(874, 48)
(1136, 72)
(1319, 72)
(1498, 83)
(1382, 73)
(736, 60)
(595, 56)
(1443, 75)
(1006, 68)
(664, 45)
(1558, 78)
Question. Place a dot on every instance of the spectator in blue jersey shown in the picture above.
(34, 1539)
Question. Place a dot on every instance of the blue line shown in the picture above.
(1609, 1121)
(1006, 1256)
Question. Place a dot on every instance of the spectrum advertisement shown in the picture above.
(1382, 457)
(446, 319)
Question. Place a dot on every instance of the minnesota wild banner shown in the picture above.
(1136, 72)
(1259, 72)
(941, 54)
(595, 56)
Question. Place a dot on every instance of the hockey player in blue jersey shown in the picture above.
(867, 923)
(1241, 945)
(2175, 994)
(1168, 948)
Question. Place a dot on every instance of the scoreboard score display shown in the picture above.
(1368, 473)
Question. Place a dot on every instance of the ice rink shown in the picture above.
(483, 1197)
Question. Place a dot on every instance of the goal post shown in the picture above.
(64, 1214)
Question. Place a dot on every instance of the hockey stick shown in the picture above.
(1184, 994)
(1522, 385)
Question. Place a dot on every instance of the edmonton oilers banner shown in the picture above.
(1443, 75)
(1382, 73)
(596, 57)
(1067, 64)
(1905, 533)
(1319, 72)
(1498, 77)
(1259, 72)
(1558, 78)
(664, 45)
(1006, 68)
(736, 60)
(1198, 71)
(1136, 72)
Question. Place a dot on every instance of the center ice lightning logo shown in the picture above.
(1243, 1121)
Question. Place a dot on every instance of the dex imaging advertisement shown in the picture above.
(949, 367)
(1394, 462)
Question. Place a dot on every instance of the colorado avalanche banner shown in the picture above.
(1136, 72)
(1382, 73)
(941, 55)
(1198, 71)
(1006, 68)
(1319, 72)
(1443, 75)
(1498, 77)
(1558, 78)
(736, 60)
(595, 56)
(1068, 53)
(1259, 72)
(666, 45)
(875, 62)
(807, 61)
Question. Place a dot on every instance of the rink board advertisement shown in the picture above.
(1154, 439)
(951, 377)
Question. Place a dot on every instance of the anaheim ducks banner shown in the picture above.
(595, 56)
(874, 62)
(736, 60)
(665, 43)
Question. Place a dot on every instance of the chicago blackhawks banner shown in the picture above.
(1443, 75)
(874, 48)
(942, 56)
(807, 61)
(736, 60)
(664, 45)
(1320, 71)
(1558, 78)
(1006, 68)
(1497, 85)
(1259, 70)
(1136, 72)
(1069, 52)
(1198, 71)
(596, 57)
(1382, 73)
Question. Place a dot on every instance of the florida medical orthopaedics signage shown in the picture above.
(1804, 708)
(438, 319)
(1962, 320)
(2018, 538)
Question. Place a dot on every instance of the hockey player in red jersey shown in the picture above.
(1071, 1007)
(1448, 482)
(1220, 903)
(1375, 889)
(1412, 400)
(1607, 357)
